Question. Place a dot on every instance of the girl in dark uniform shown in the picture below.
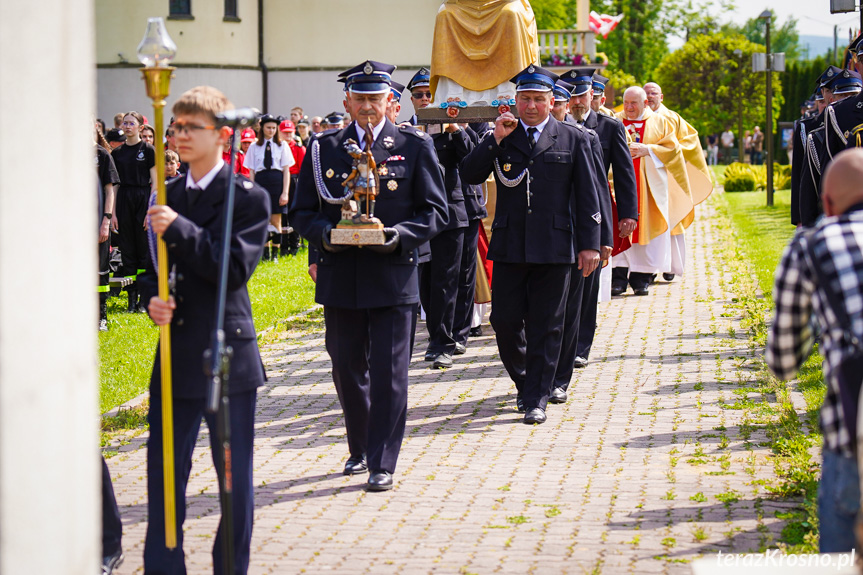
(136, 165)
(268, 161)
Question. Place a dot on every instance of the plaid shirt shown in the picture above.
(838, 246)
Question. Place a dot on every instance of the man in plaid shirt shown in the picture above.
(837, 243)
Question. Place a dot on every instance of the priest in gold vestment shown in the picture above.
(478, 46)
(664, 196)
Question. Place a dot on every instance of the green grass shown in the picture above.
(127, 349)
(762, 232)
(718, 174)
(760, 236)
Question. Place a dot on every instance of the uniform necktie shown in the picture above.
(268, 157)
(194, 193)
(531, 136)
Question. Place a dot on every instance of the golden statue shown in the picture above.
(478, 46)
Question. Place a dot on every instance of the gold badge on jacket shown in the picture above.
(383, 171)
(392, 185)
(330, 173)
(507, 167)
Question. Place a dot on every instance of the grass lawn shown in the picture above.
(763, 232)
(277, 291)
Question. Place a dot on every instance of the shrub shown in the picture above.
(740, 182)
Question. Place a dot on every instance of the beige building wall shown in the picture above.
(314, 34)
(207, 39)
(306, 42)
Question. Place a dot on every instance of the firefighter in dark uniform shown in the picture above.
(839, 86)
(191, 224)
(370, 293)
(475, 206)
(439, 278)
(844, 120)
(616, 158)
(546, 219)
(802, 128)
(619, 220)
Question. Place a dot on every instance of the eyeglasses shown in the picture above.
(420, 95)
(183, 128)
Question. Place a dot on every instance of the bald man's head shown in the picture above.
(843, 182)
(654, 95)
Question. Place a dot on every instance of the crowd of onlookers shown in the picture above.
(125, 160)
(721, 148)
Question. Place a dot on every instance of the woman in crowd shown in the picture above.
(148, 134)
(268, 161)
(136, 164)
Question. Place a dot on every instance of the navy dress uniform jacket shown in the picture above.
(451, 149)
(474, 200)
(841, 120)
(193, 241)
(615, 155)
(563, 216)
(798, 160)
(414, 204)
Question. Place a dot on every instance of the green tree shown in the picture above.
(638, 44)
(783, 38)
(713, 87)
(554, 14)
(798, 84)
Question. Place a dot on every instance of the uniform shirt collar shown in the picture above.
(206, 180)
(376, 131)
(539, 127)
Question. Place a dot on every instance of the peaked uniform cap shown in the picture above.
(421, 78)
(535, 78)
(581, 79)
(370, 77)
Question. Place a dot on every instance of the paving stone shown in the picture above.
(603, 486)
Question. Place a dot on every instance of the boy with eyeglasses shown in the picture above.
(191, 224)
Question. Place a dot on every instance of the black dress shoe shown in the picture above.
(443, 361)
(580, 362)
(111, 562)
(380, 481)
(431, 355)
(558, 395)
(460, 349)
(652, 279)
(519, 404)
(475, 331)
(618, 289)
(355, 466)
(668, 277)
(640, 291)
(535, 415)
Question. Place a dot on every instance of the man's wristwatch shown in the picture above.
(106, 215)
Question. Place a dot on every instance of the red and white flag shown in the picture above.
(603, 24)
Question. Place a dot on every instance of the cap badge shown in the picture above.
(392, 185)
(368, 69)
(531, 69)
(829, 73)
(507, 167)
(330, 173)
(388, 142)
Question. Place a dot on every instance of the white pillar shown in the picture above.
(49, 467)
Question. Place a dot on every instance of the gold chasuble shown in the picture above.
(664, 198)
(700, 180)
(480, 44)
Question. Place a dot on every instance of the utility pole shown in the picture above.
(835, 42)
(738, 54)
(767, 15)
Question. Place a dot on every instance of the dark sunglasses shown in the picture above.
(419, 95)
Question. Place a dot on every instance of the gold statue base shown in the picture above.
(361, 233)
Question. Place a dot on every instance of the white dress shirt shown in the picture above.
(376, 131)
(206, 180)
(539, 128)
(282, 156)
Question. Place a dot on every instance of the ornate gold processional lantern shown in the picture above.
(156, 51)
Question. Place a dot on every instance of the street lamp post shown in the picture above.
(767, 15)
(738, 54)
